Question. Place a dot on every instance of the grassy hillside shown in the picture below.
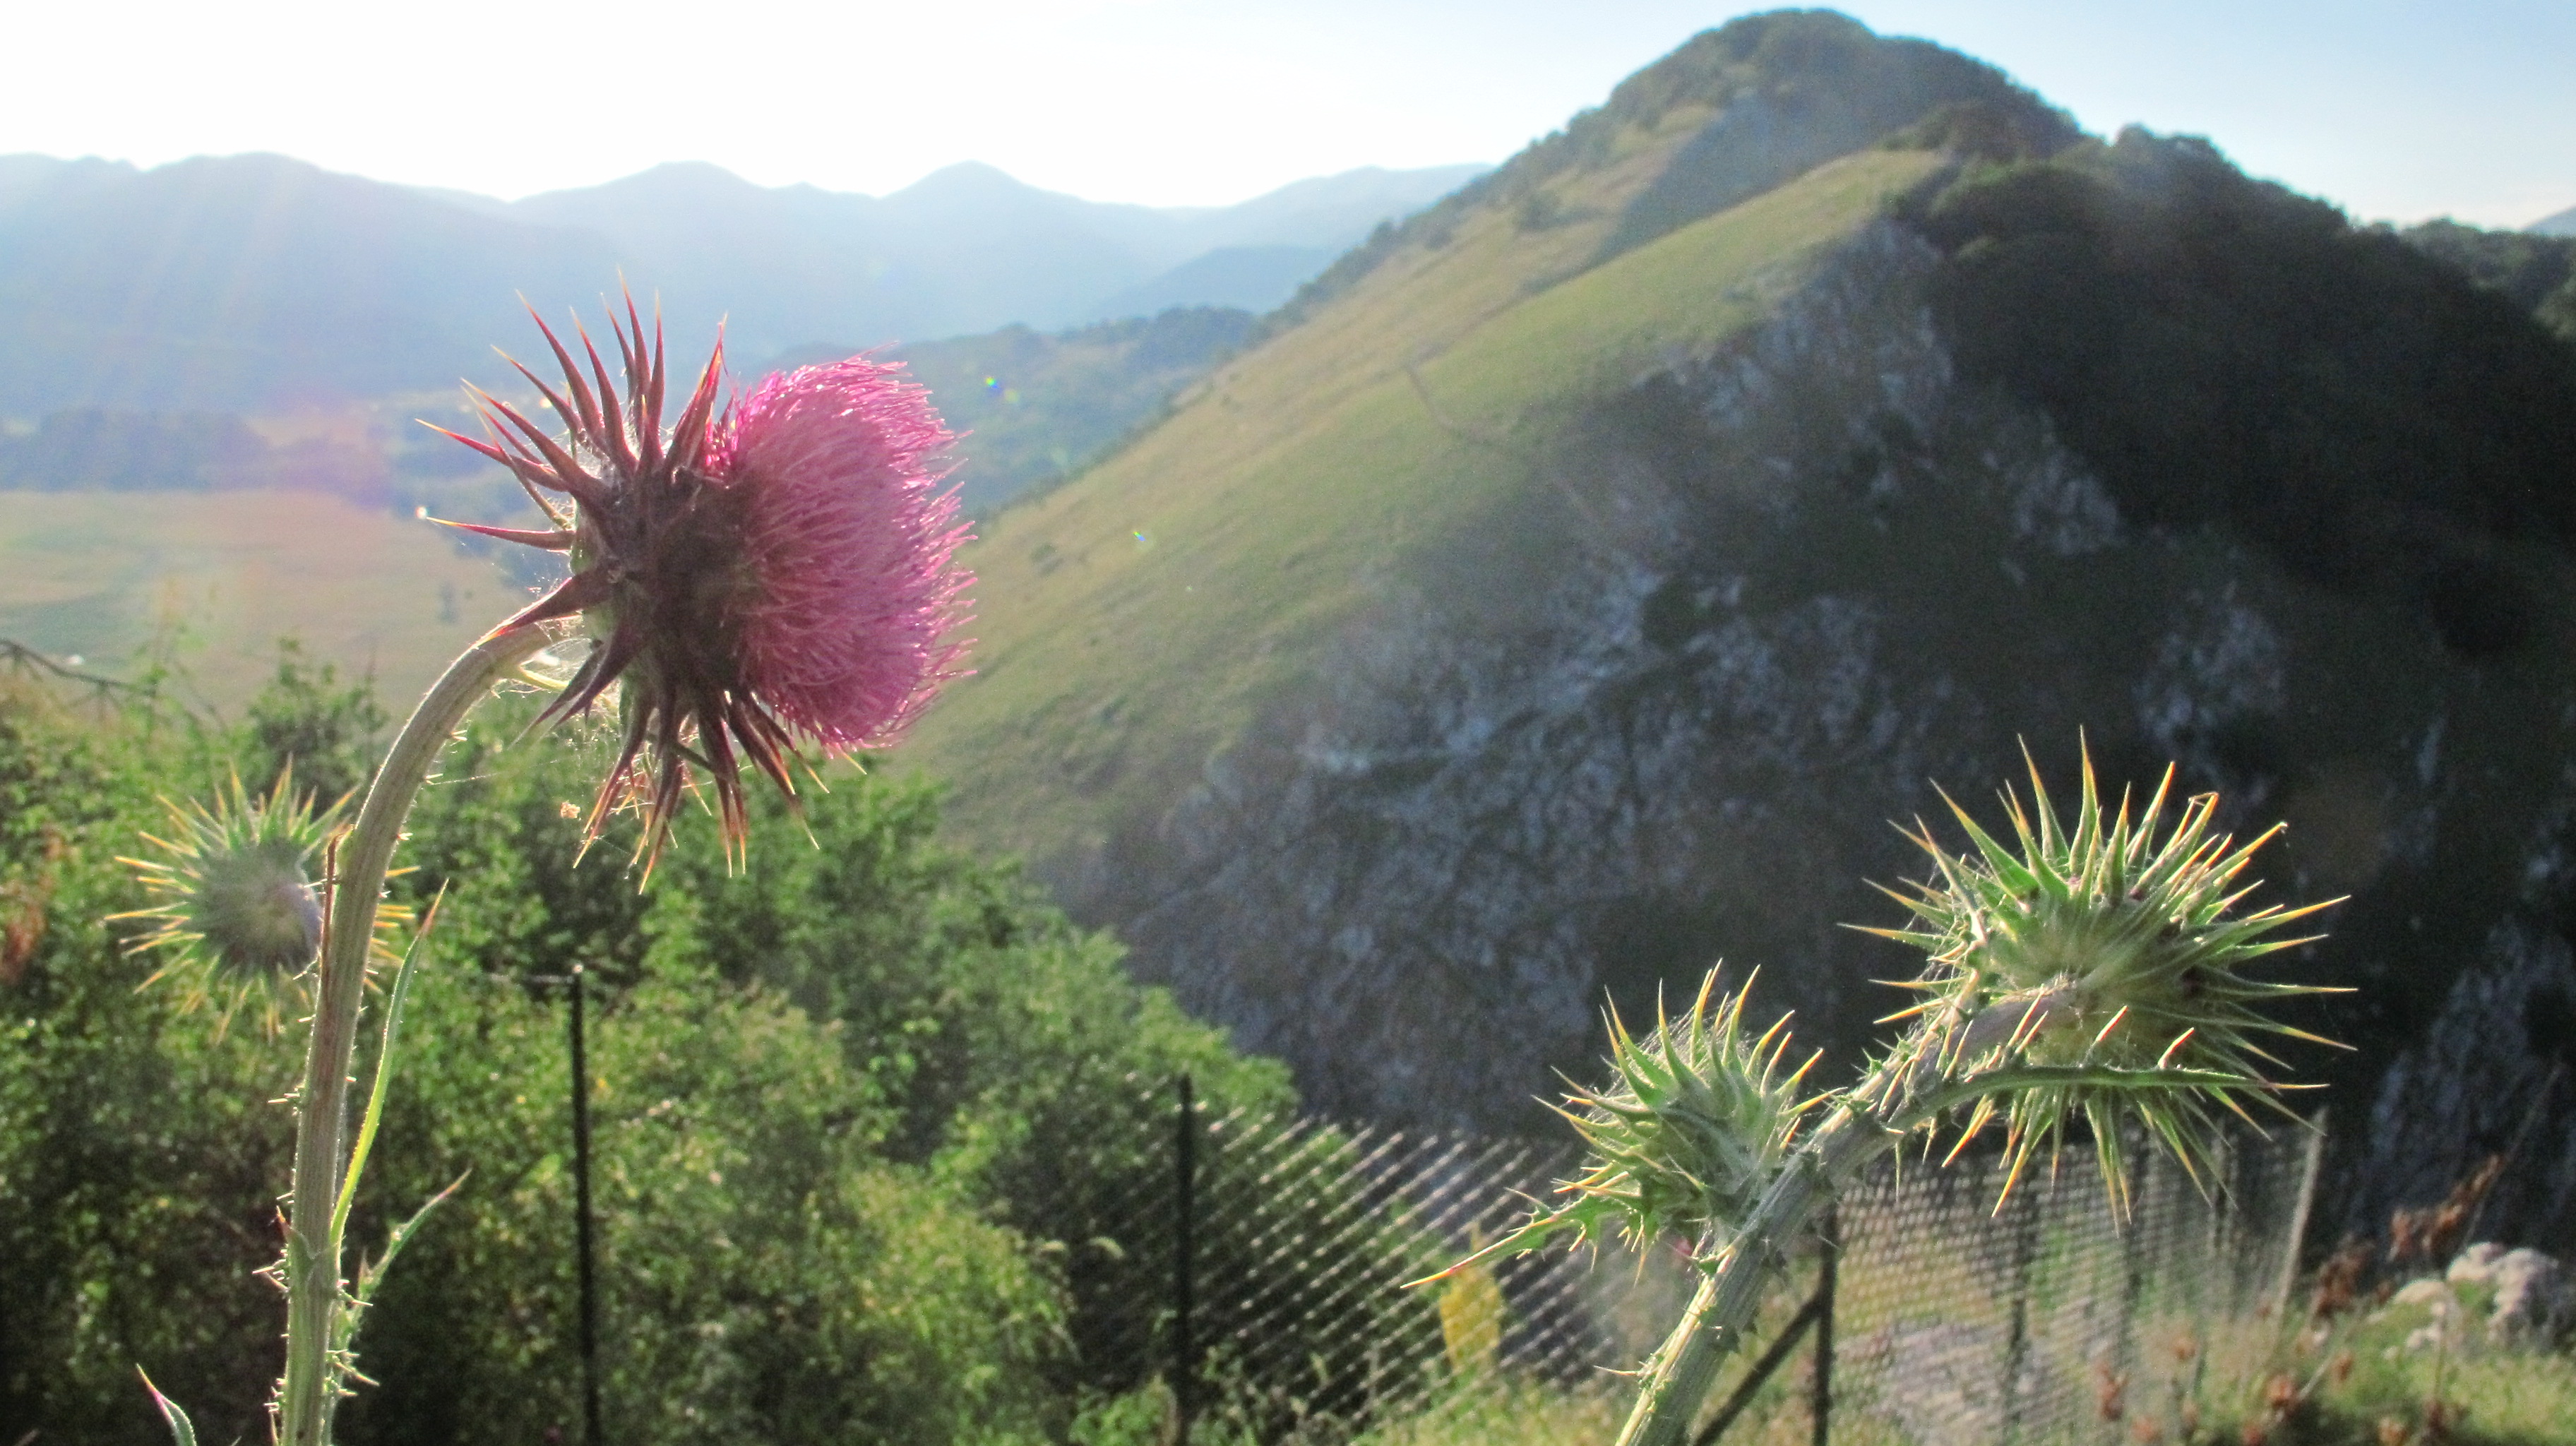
(1034, 407)
(224, 575)
(1131, 623)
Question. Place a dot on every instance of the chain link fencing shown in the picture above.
(1273, 1253)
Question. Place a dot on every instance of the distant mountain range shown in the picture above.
(249, 283)
(2562, 224)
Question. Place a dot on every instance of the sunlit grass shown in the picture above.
(2371, 1386)
(1136, 620)
(99, 573)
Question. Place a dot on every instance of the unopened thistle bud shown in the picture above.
(237, 912)
(1687, 1134)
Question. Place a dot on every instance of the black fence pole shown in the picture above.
(1781, 1345)
(1185, 1155)
(1829, 1254)
(2025, 1247)
(588, 1275)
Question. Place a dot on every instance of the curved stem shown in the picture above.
(308, 1390)
(1677, 1377)
(1876, 1114)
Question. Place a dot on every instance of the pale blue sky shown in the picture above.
(2397, 109)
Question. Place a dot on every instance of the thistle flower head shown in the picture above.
(236, 914)
(2093, 970)
(1687, 1134)
(775, 573)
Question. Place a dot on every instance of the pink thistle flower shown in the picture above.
(777, 574)
(848, 636)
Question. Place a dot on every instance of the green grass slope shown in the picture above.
(1133, 622)
(223, 575)
(1031, 408)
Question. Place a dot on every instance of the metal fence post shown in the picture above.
(587, 1272)
(1185, 1153)
(2308, 1166)
(1829, 1250)
(2025, 1248)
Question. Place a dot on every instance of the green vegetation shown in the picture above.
(2398, 1373)
(215, 579)
(2534, 271)
(2492, 1397)
(849, 1105)
(2223, 350)
(2526, 267)
(308, 722)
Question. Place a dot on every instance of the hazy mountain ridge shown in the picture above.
(1513, 626)
(1252, 278)
(250, 282)
(246, 283)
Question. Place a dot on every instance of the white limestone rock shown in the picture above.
(2531, 1296)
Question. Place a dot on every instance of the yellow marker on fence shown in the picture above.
(1471, 1320)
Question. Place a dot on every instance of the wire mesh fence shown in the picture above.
(1272, 1254)
(2049, 1318)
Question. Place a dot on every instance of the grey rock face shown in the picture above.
(2533, 1300)
(1748, 610)
(2486, 1074)
(2531, 1295)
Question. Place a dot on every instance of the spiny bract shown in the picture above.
(2095, 971)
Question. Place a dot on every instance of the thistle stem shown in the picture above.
(1676, 1378)
(309, 1390)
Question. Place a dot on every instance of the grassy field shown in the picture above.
(1133, 622)
(224, 575)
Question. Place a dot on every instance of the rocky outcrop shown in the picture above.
(2533, 1301)
(1752, 608)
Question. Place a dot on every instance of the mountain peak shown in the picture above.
(1762, 99)
(965, 183)
(671, 182)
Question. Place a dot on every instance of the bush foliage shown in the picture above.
(839, 1097)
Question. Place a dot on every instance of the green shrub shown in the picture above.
(764, 1275)
(140, 1162)
(832, 1096)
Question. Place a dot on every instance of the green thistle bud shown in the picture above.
(1685, 1137)
(236, 909)
(2093, 971)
